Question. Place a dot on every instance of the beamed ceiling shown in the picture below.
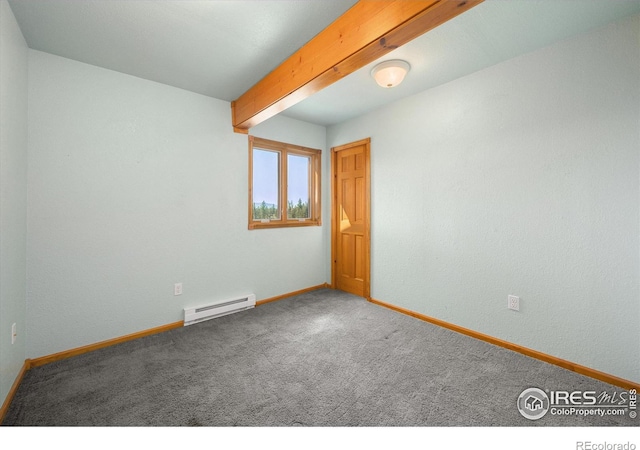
(223, 49)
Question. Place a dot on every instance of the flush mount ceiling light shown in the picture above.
(389, 74)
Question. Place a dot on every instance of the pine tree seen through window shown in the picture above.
(266, 182)
(298, 186)
(284, 187)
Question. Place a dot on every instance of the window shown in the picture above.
(284, 184)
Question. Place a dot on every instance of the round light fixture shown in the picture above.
(389, 74)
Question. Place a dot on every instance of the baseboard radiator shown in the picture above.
(218, 309)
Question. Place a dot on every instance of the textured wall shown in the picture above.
(13, 195)
(519, 179)
(285, 129)
(134, 186)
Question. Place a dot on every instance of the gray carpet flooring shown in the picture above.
(324, 358)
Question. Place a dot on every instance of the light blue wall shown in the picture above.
(292, 131)
(519, 179)
(285, 129)
(134, 186)
(13, 195)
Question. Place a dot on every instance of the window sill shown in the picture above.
(289, 224)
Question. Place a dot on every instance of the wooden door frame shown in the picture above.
(367, 212)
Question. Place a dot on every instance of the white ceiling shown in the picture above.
(493, 31)
(221, 48)
(212, 47)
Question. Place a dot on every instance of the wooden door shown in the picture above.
(350, 227)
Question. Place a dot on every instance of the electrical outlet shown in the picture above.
(513, 302)
(14, 333)
(177, 289)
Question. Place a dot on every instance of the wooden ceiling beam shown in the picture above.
(367, 31)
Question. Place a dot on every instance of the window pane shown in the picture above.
(266, 184)
(298, 187)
